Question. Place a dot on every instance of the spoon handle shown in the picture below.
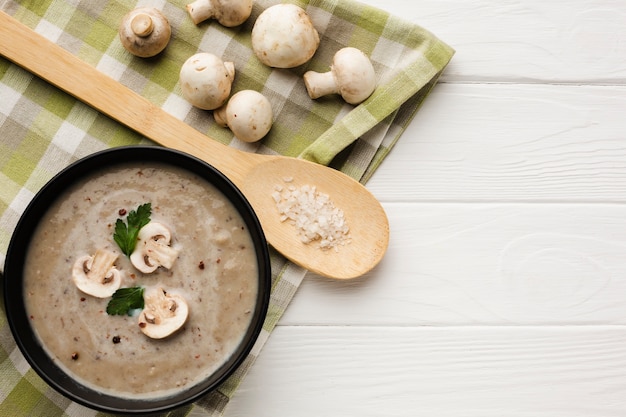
(26, 48)
(254, 174)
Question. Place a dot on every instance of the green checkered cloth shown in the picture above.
(42, 129)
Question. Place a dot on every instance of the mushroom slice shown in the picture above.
(153, 248)
(163, 313)
(96, 275)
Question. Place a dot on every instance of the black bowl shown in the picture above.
(18, 320)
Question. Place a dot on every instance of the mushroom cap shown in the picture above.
(206, 80)
(248, 114)
(163, 313)
(228, 13)
(144, 32)
(283, 36)
(95, 275)
(354, 75)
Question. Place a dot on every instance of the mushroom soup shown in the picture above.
(214, 270)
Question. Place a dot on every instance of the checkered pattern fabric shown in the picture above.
(42, 129)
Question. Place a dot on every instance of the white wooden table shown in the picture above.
(504, 289)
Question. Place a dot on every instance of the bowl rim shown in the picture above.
(24, 334)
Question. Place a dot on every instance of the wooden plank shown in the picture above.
(526, 40)
(494, 142)
(443, 372)
(502, 293)
(496, 264)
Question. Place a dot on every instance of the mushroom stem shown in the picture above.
(230, 69)
(320, 84)
(201, 10)
(142, 25)
(159, 252)
(220, 116)
(144, 32)
(101, 264)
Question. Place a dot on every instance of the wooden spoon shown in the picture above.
(255, 175)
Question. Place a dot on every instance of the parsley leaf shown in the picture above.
(125, 300)
(126, 235)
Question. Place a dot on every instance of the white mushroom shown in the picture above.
(283, 36)
(163, 313)
(228, 13)
(145, 32)
(351, 75)
(248, 114)
(153, 248)
(206, 80)
(96, 275)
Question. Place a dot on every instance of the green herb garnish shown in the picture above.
(126, 235)
(125, 300)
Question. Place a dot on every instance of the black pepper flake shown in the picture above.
(122, 212)
(116, 339)
(142, 325)
(201, 265)
(82, 298)
(75, 356)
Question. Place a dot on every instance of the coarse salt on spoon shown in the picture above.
(257, 176)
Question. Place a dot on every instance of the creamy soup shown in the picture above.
(215, 271)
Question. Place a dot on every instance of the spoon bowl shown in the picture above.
(256, 175)
(369, 235)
